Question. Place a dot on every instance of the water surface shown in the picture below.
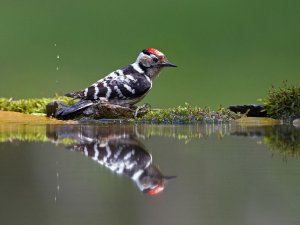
(127, 174)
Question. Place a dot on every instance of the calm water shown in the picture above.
(205, 174)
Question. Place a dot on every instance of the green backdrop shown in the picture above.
(227, 51)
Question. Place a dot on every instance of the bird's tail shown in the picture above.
(68, 112)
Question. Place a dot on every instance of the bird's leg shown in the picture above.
(145, 106)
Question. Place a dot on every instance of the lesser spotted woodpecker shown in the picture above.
(124, 87)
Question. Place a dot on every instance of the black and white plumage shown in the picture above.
(124, 87)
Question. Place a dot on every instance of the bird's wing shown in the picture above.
(117, 87)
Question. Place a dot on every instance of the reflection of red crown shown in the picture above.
(154, 51)
(155, 191)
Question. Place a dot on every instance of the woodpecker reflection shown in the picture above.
(118, 150)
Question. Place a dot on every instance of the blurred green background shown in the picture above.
(228, 52)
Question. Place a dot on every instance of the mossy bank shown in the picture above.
(281, 103)
(177, 115)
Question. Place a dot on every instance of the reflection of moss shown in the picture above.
(283, 102)
(33, 105)
(28, 133)
(67, 141)
(284, 140)
(22, 133)
(188, 114)
(280, 139)
(184, 132)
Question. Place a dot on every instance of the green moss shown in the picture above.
(188, 114)
(283, 102)
(33, 105)
(177, 115)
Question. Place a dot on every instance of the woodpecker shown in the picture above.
(124, 87)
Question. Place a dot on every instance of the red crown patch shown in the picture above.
(154, 51)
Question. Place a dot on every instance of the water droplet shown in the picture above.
(57, 68)
(54, 44)
(57, 56)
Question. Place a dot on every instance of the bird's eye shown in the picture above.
(155, 59)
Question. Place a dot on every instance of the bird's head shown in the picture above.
(152, 58)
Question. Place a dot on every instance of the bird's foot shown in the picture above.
(144, 108)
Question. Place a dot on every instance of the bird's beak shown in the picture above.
(169, 64)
